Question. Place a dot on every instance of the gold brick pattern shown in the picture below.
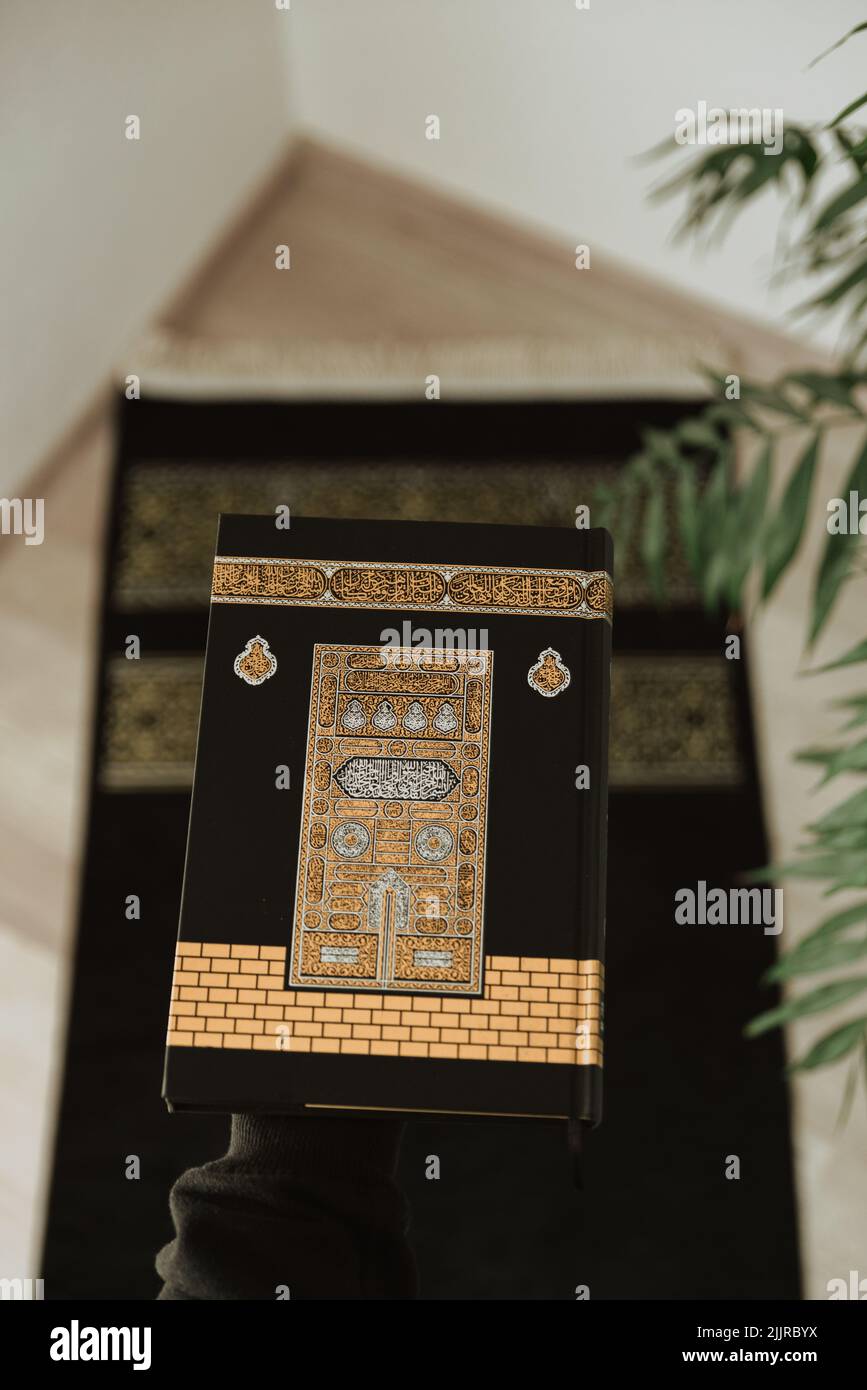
(533, 1009)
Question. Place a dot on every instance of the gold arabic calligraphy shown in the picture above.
(560, 593)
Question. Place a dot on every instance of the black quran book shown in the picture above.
(394, 894)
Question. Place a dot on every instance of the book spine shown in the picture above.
(586, 1098)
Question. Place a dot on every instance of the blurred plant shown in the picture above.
(737, 540)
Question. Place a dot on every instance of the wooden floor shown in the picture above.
(390, 281)
(396, 307)
(48, 621)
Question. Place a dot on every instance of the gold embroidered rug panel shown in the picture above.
(672, 712)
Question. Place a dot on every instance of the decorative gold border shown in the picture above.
(338, 670)
(392, 584)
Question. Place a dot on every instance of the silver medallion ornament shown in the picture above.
(351, 839)
(354, 716)
(385, 717)
(446, 719)
(435, 842)
(549, 675)
(415, 718)
(256, 663)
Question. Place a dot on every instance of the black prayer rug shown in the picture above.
(658, 1219)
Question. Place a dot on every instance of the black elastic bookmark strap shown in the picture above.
(575, 1140)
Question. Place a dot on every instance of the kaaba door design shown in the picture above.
(390, 889)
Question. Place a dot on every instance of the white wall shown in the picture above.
(544, 106)
(96, 230)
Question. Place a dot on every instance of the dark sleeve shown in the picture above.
(304, 1203)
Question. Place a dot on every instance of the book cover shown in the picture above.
(395, 880)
